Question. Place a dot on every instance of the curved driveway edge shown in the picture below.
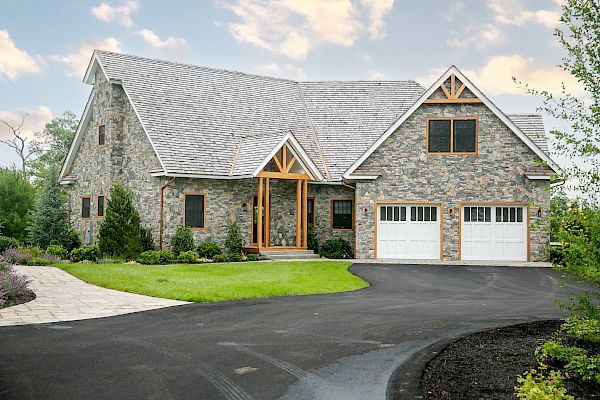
(62, 297)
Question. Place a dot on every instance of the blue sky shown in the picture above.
(45, 45)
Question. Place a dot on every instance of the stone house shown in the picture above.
(398, 170)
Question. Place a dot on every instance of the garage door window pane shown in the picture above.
(402, 213)
(467, 214)
(413, 213)
(519, 214)
(488, 214)
(382, 214)
(505, 214)
(420, 213)
(480, 214)
(389, 214)
(396, 213)
(427, 214)
(439, 136)
(498, 214)
(434, 213)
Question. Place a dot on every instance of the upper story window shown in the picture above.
(193, 215)
(101, 135)
(100, 211)
(342, 214)
(452, 135)
(86, 207)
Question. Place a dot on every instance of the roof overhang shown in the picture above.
(469, 85)
(196, 176)
(301, 156)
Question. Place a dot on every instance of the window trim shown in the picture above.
(452, 152)
(99, 126)
(104, 206)
(314, 199)
(185, 194)
(81, 208)
(331, 215)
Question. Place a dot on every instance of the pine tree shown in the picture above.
(49, 221)
(120, 231)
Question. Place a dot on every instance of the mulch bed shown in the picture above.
(485, 365)
(24, 298)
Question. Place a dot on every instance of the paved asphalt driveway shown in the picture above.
(338, 346)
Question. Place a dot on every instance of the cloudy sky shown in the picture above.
(45, 46)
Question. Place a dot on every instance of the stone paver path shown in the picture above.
(62, 297)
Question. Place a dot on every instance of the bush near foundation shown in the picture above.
(188, 257)
(208, 249)
(336, 249)
(85, 253)
(183, 240)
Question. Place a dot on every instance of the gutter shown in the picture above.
(160, 221)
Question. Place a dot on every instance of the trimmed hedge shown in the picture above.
(58, 251)
(85, 253)
(336, 249)
(188, 257)
(208, 250)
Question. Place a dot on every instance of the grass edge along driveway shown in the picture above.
(220, 282)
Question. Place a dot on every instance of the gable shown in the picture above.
(450, 97)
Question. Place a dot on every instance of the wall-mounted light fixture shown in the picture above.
(539, 212)
(365, 210)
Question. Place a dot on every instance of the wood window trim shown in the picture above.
(440, 204)
(104, 206)
(314, 199)
(451, 152)
(353, 215)
(81, 208)
(100, 126)
(203, 194)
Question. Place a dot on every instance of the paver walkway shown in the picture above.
(62, 297)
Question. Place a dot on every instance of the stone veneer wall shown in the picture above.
(409, 174)
(127, 157)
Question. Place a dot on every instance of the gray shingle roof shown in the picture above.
(206, 121)
(533, 126)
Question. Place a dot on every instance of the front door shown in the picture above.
(255, 221)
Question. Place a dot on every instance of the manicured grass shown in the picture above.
(219, 282)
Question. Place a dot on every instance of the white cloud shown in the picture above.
(13, 61)
(287, 71)
(35, 121)
(512, 12)
(495, 76)
(375, 74)
(122, 14)
(79, 59)
(475, 36)
(377, 10)
(172, 42)
(294, 27)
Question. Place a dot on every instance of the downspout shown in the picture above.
(160, 221)
(354, 222)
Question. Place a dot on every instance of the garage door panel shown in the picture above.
(494, 233)
(408, 231)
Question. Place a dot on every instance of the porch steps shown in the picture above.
(290, 255)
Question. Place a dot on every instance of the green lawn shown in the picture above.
(219, 282)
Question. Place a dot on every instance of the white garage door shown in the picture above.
(494, 233)
(407, 231)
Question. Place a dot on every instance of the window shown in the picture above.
(100, 211)
(86, 210)
(310, 210)
(423, 213)
(392, 213)
(342, 214)
(509, 214)
(452, 136)
(101, 135)
(194, 210)
(478, 214)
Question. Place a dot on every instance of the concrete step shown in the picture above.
(289, 255)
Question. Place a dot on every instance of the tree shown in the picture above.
(53, 143)
(120, 231)
(17, 198)
(18, 142)
(50, 220)
(581, 40)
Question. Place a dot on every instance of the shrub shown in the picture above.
(43, 261)
(574, 359)
(85, 253)
(166, 257)
(208, 249)
(72, 239)
(585, 329)
(533, 385)
(188, 257)
(146, 239)
(183, 240)
(220, 258)
(205, 260)
(8, 242)
(149, 257)
(57, 251)
(235, 257)
(17, 256)
(13, 287)
(233, 243)
(313, 238)
(35, 251)
(252, 257)
(336, 248)
(119, 233)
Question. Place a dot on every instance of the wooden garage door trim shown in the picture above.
(462, 204)
(440, 204)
